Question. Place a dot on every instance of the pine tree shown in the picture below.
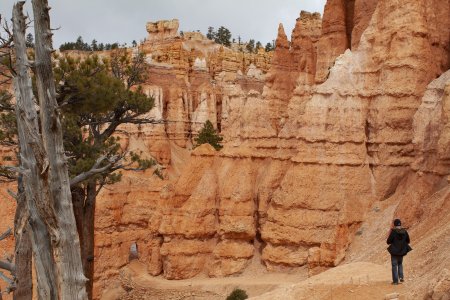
(94, 46)
(211, 33)
(250, 45)
(79, 43)
(208, 135)
(29, 41)
(98, 96)
(223, 36)
(268, 47)
(258, 46)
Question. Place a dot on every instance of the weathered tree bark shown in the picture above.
(31, 157)
(78, 197)
(65, 241)
(46, 179)
(43, 259)
(23, 253)
(84, 208)
(87, 247)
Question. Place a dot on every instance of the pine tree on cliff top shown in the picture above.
(250, 45)
(209, 135)
(223, 36)
(268, 47)
(258, 46)
(211, 33)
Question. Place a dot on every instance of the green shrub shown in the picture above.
(208, 135)
(237, 294)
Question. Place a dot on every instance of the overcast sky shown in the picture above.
(124, 20)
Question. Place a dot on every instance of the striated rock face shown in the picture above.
(354, 135)
(192, 80)
(123, 217)
(192, 75)
(344, 22)
(334, 40)
(302, 162)
(292, 64)
(431, 125)
(358, 20)
(431, 142)
(294, 190)
(297, 189)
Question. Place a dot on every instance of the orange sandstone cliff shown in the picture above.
(336, 125)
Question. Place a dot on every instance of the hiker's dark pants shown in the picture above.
(397, 267)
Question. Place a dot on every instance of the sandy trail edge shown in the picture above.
(362, 280)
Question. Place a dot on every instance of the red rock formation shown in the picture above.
(292, 63)
(431, 142)
(191, 79)
(344, 21)
(363, 11)
(343, 145)
(431, 125)
(333, 41)
(162, 30)
(191, 73)
(355, 132)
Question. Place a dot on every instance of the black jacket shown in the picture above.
(398, 241)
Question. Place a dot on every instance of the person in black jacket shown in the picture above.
(398, 241)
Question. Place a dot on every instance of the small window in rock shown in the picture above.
(134, 254)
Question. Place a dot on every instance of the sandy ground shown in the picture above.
(358, 280)
(135, 278)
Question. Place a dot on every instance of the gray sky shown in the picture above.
(124, 20)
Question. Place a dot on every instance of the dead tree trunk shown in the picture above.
(23, 253)
(46, 179)
(31, 158)
(66, 245)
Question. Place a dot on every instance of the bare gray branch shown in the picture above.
(6, 234)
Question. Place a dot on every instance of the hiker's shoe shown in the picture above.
(394, 283)
(402, 280)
